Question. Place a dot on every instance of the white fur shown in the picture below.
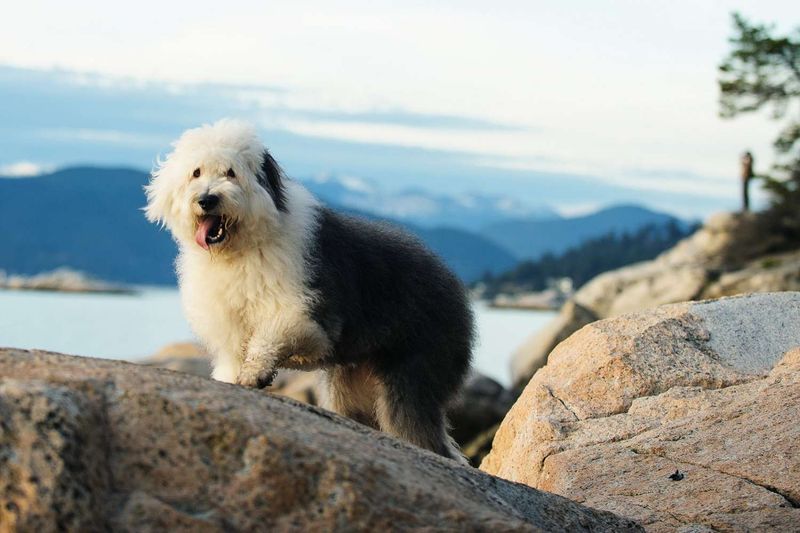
(246, 297)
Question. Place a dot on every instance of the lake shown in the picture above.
(132, 327)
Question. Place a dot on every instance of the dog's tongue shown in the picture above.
(202, 231)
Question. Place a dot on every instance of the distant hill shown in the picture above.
(530, 239)
(85, 218)
(90, 219)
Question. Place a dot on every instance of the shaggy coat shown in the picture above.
(272, 279)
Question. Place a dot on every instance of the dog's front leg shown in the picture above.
(261, 360)
(305, 347)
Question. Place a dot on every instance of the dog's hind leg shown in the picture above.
(406, 409)
(351, 391)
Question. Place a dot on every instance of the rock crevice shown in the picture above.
(787, 498)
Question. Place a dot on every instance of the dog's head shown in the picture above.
(218, 182)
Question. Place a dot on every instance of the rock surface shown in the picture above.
(93, 445)
(717, 260)
(188, 357)
(191, 358)
(298, 385)
(709, 389)
(474, 416)
(780, 272)
(532, 355)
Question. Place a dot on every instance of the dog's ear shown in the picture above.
(271, 178)
(159, 200)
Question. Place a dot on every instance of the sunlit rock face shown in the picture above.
(709, 390)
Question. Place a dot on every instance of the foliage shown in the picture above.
(585, 261)
(762, 71)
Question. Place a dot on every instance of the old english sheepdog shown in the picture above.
(270, 278)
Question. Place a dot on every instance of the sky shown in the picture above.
(571, 104)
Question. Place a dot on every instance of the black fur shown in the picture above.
(271, 178)
(386, 301)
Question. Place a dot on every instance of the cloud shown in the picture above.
(451, 134)
(663, 180)
(637, 93)
(23, 169)
(70, 118)
(101, 136)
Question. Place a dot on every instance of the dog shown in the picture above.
(270, 278)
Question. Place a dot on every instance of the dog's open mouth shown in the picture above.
(211, 230)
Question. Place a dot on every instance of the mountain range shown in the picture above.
(90, 219)
(468, 211)
(531, 238)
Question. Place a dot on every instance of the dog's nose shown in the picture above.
(208, 201)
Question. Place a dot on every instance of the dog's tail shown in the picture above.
(453, 451)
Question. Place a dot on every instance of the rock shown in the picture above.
(532, 355)
(710, 389)
(61, 280)
(677, 275)
(179, 351)
(642, 286)
(92, 445)
(188, 357)
(191, 358)
(298, 385)
(717, 260)
(481, 406)
(780, 272)
(477, 448)
(476, 414)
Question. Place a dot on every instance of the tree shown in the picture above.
(583, 262)
(763, 71)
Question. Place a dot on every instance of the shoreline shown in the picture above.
(520, 306)
(62, 280)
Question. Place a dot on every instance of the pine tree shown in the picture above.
(763, 71)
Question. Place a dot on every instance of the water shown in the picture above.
(132, 327)
(500, 332)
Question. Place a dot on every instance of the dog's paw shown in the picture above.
(256, 378)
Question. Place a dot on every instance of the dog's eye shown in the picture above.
(231, 173)
(196, 173)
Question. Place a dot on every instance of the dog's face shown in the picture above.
(216, 187)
